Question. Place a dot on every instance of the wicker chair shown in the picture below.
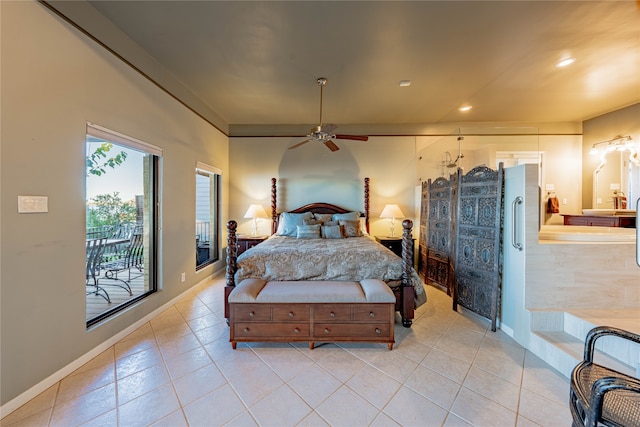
(601, 395)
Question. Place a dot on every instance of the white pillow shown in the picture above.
(289, 222)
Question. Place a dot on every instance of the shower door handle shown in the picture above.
(516, 223)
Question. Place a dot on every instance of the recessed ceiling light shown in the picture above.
(565, 62)
(465, 108)
(405, 83)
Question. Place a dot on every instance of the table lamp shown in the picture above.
(255, 212)
(392, 212)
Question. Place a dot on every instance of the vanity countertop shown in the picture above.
(586, 234)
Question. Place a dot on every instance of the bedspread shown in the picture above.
(354, 258)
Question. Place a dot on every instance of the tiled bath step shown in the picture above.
(563, 351)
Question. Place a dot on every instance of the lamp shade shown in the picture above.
(255, 211)
(391, 211)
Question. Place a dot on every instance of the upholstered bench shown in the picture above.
(326, 311)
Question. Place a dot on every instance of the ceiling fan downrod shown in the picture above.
(321, 82)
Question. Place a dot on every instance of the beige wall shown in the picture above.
(312, 173)
(54, 80)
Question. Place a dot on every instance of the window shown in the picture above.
(207, 214)
(121, 194)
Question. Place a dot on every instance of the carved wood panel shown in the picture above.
(439, 233)
(422, 236)
(478, 235)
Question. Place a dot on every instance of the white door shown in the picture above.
(513, 319)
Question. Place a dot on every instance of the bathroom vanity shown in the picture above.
(600, 220)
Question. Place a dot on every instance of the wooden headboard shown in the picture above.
(317, 207)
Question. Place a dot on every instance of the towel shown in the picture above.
(553, 206)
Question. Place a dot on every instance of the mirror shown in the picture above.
(616, 179)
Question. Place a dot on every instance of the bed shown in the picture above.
(324, 254)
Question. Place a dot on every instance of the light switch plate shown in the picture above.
(33, 204)
(549, 187)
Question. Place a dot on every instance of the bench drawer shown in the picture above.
(332, 312)
(250, 312)
(372, 312)
(270, 330)
(351, 330)
(291, 312)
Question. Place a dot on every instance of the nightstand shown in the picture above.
(245, 242)
(394, 243)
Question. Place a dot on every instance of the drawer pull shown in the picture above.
(251, 314)
(296, 330)
(291, 315)
(245, 330)
(378, 331)
(372, 314)
(332, 314)
(326, 330)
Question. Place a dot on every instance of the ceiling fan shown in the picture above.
(325, 133)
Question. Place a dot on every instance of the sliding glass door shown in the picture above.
(121, 225)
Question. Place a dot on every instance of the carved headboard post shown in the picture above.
(274, 205)
(232, 267)
(366, 203)
(407, 265)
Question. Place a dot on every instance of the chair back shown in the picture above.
(94, 255)
(136, 251)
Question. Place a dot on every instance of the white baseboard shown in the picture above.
(43, 385)
(506, 329)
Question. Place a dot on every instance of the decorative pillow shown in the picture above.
(351, 228)
(322, 217)
(349, 216)
(289, 221)
(330, 223)
(308, 231)
(312, 221)
(331, 231)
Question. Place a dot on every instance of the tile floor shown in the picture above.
(449, 369)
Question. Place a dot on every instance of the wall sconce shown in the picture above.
(620, 143)
(391, 212)
(255, 212)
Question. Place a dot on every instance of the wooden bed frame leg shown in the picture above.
(407, 290)
(227, 291)
(232, 254)
(407, 306)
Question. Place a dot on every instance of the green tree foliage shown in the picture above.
(109, 209)
(99, 159)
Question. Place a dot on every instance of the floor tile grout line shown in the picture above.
(451, 324)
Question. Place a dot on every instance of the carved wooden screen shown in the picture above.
(439, 233)
(422, 237)
(478, 257)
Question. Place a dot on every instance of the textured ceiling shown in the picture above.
(256, 63)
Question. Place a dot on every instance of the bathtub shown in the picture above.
(585, 234)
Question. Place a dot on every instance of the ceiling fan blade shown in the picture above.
(331, 145)
(329, 127)
(353, 137)
(299, 144)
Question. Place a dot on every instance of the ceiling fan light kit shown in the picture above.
(324, 133)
